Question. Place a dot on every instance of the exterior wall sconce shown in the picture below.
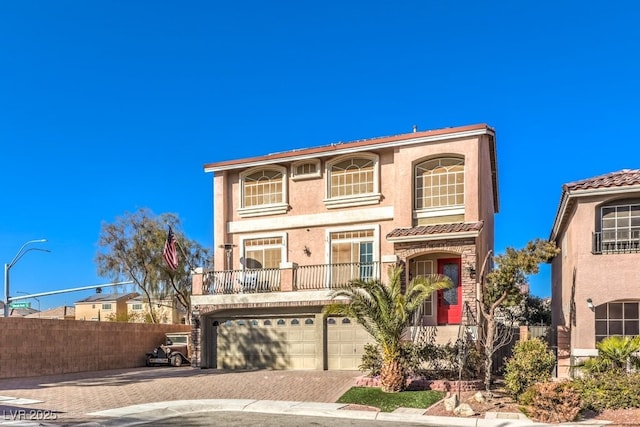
(306, 250)
(471, 270)
(590, 304)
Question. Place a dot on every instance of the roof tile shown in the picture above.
(425, 230)
(614, 179)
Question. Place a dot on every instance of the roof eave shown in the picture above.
(352, 147)
(569, 196)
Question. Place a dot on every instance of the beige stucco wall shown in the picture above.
(578, 274)
(35, 347)
(394, 210)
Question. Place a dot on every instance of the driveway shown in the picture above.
(68, 398)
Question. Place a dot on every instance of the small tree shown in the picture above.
(131, 249)
(385, 312)
(501, 288)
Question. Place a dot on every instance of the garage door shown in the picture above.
(345, 343)
(276, 343)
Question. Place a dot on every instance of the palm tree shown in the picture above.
(385, 312)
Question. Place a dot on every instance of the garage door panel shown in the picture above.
(276, 343)
(345, 344)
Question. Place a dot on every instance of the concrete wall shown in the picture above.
(34, 347)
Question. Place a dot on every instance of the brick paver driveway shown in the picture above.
(72, 396)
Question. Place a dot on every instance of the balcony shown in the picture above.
(295, 278)
(616, 242)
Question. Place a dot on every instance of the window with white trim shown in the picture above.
(106, 306)
(305, 169)
(352, 181)
(617, 318)
(263, 191)
(263, 252)
(136, 307)
(352, 255)
(620, 227)
(425, 268)
(439, 183)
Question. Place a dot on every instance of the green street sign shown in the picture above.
(20, 305)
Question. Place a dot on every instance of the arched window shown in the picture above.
(439, 183)
(263, 191)
(352, 181)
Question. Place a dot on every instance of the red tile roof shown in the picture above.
(613, 179)
(425, 230)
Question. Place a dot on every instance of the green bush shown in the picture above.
(371, 360)
(532, 362)
(554, 402)
(609, 390)
(614, 353)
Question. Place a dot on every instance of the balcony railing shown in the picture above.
(333, 276)
(619, 242)
(307, 277)
(241, 281)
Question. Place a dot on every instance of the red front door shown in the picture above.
(450, 300)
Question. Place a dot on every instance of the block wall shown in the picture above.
(35, 347)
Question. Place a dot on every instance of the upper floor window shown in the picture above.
(352, 181)
(619, 229)
(305, 169)
(263, 252)
(439, 184)
(263, 191)
(353, 255)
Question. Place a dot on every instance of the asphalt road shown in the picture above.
(234, 419)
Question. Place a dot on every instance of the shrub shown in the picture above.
(609, 390)
(614, 352)
(532, 362)
(371, 360)
(554, 402)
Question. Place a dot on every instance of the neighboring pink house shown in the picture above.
(596, 276)
(290, 227)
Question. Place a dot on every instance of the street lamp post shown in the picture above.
(8, 266)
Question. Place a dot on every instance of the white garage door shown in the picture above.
(345, 343)
(276, 343)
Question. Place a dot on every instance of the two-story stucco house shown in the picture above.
(102, 307)
(290, 227)
(595, 278)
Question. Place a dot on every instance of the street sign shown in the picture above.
(20, 305)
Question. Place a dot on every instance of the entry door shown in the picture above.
(450, 300)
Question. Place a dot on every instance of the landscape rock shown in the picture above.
(464, 410)
(451, 402)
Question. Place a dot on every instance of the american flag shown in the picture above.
(169, 252)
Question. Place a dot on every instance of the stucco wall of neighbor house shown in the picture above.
(34, 347)
(603, 278)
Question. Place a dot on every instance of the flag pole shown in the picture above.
(184, 254)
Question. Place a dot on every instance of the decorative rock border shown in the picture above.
(424, 384)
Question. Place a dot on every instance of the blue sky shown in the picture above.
(111, 106)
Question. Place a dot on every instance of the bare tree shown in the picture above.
(501, 288)
(131, 248)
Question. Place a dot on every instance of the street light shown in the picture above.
(7, 267)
